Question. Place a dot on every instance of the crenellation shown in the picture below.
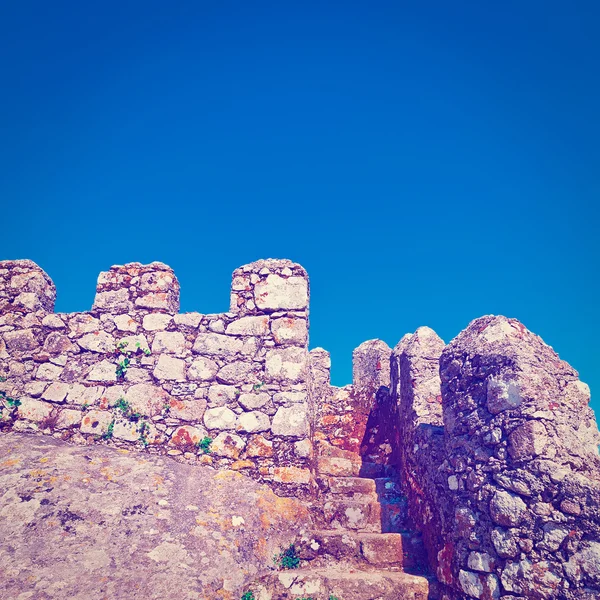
(174, 373)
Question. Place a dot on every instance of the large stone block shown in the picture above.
(286, 364)
(292, 421)
(277, 293)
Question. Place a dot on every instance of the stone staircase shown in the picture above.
(363, 549)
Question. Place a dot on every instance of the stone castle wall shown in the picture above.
(492, 435)
(502, 477)
(238, 378)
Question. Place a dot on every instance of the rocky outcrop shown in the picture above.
(90, 522)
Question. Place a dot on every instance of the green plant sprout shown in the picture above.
(288, 559)
(144, 429)
(204, 444)
(123, 365)
(107, 435)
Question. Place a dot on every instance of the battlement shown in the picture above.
(133, 370)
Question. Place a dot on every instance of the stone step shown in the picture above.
(352, 486)
(351, 514)
(384, 491)
(377, 549)
(341, 466)
(341, 583)
(403, 550)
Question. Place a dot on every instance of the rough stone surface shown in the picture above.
(520, 440)
(291, 421)
(95, 523)
(170, 368)
(220, 418)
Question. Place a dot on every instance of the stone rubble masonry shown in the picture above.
(354, 425)
(520, 508)
(239, 378)
(415, 390)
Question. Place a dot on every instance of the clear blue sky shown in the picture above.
(427, 162)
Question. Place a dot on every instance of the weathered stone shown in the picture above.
(554, 536)
(115, 300)
(35, 389)
(29, 300)
(371, 367)
(191, 320)
(219, 418)
(253, 421)
(146, 399)
(170, 342)
(292, 421)
(217, 325)
(48, 372)
(187, 410)
(57, 343)
(381, 549)
(53, 321)
(216, 344)
(186, 436)
(112, 394)
(220, 395)
(103, 371)
(172, 369)
(502, 395)
(238, 372)
(290, 331)
(21, 340)
(96, 421)
(254, 400)
(34, 410)
(56, 392)
(134, 343)
(228, 445)
(286, 364)
(126, 323)
(259, 447)
(68, 418)
(99, 341)
(479, 586)
(80, 394)
(585, 561)
(241, 283)
(289, 398)
(276, 293)
(480, 561)
(530, 579)
(303, 448)
(203, 369)
(504, 543)
(528, 440)
(507, 509)
(83, 323)
(156, 322)
(126, 430)
(291, 475)
(249, 326)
